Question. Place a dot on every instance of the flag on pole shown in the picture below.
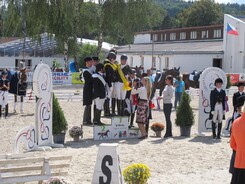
(231, 30)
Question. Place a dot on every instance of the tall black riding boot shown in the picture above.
(214, 129)
(219, 130)
(107, 107)
(87, 115)
(94, 108)
(113, 106)
(6, 110)
(118, 107)
(132, 120)
(0, 111)
(97, 117)
(122, 107)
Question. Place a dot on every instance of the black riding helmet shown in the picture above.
(124, 57)
(219, 80)
(112, 55)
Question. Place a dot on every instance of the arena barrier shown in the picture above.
(68, 96)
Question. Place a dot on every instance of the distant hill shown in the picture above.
(174, 7)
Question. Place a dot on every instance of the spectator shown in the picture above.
(179, 89)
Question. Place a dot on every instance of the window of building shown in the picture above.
(162, 37)
(172, 36)
(217, 33)
(165, 36)
(204, 34)
(141, 60)
(182, 36)
(153, 65)
(155, 37)
(193, 35)
(166, 62)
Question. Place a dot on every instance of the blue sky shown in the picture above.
(228, 1)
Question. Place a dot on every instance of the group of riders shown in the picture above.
(107, 84)
(15, 82)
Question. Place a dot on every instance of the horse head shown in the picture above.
(174, 72)
(23, 75)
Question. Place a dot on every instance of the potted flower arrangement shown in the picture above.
(75, 132)
(136, 173)
(157, 128)
(56, 180)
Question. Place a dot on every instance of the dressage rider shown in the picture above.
(111, 79)
(122, 87)
(87, 91)
(217, 102)
(4, 87)
(99, 92)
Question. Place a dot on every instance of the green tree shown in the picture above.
(85, 50)
(201, 13)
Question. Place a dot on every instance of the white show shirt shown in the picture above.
(141, 91)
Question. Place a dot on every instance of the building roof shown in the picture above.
(179, 29)
(189, 47)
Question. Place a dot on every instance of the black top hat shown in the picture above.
(219, 80)
(86, 59)
(240, 84)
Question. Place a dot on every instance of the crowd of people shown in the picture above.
(114, 84)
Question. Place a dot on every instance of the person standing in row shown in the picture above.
(87, 91)
(99, 93)
(144, 93)
(179, 85)
(167, 104)
(236, 95)
(111, 79)
(132, 100)
(122, 84)
(217, 103)
(4, 88)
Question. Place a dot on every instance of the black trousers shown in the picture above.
(238, 177)
(167, 108)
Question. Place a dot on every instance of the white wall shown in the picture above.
(142, 38)
(9, 62)
(234, 46)
(186, 62)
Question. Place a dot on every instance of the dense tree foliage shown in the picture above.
(201, 13)
(112, 21)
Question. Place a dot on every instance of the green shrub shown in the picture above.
(59, 120)
(184, 115)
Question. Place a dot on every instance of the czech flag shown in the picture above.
(231, 30)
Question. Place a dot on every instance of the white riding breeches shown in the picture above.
(120, 92)
(218, 113)
(99, 103)
(111, 91)
(4, 97)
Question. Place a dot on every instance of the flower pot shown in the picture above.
(76, 138)
(158, 133)
(185, 131)
(59, 138)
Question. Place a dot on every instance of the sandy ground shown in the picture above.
(178, 160)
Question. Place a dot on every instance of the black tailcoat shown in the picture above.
(88, 87)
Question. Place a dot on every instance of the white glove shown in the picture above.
(212, 112)
(224, 112)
